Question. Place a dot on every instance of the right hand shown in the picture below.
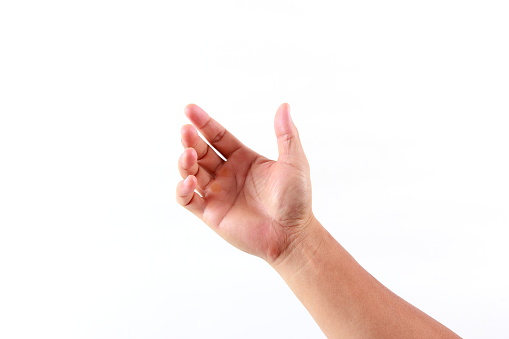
(259, 205)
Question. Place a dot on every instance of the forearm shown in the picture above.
(270, 200)
(343, 298)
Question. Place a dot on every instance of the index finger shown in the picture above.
(217, 135)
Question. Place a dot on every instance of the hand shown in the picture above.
(263, 207)
(259, 205)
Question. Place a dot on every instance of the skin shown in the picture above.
(263, 207)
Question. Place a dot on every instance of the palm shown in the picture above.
(254, 203)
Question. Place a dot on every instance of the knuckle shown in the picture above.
(183, 201)
(219, 136)
(204, 153)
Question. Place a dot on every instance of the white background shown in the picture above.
(402, 108)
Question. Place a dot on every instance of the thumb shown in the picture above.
(288, 141)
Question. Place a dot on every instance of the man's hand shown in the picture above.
(263, 207)
(259, 205)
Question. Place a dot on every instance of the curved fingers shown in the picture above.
(216, 134)
(206, 156)
(188, 165)
(190, 199)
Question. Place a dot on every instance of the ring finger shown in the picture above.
(188, 165)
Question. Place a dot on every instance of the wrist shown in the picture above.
(302, 248)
